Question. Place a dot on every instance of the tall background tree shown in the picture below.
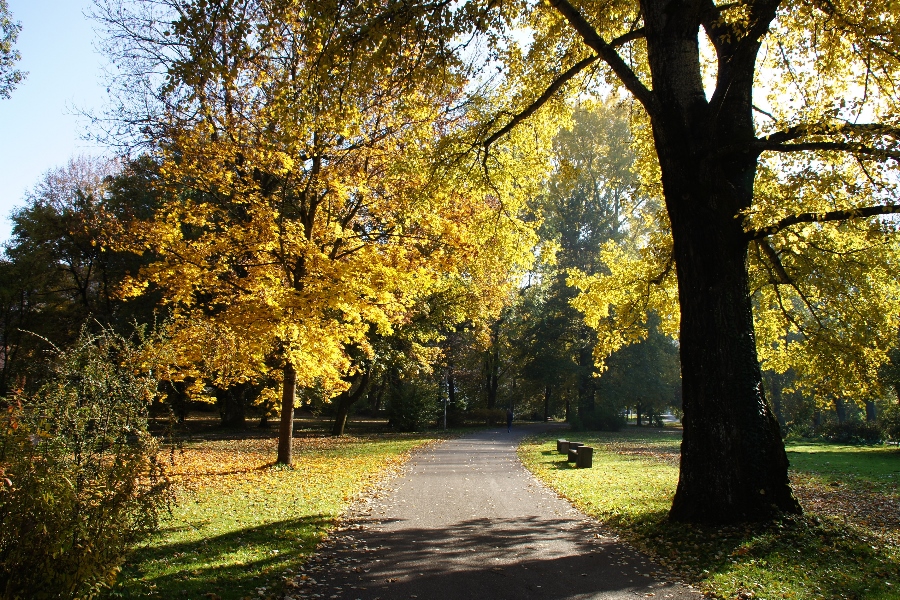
(9, 32)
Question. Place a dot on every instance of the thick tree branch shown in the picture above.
(541, 100)
(742, 46)
(780, 275)
(811, 129)
(628, 37)
(608, 53)
(811, 217)
(852, 147)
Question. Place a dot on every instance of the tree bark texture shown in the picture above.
(776, 404)
(286, 429)
(733, 463)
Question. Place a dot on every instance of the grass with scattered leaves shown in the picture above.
(847, 544)
(241, 524)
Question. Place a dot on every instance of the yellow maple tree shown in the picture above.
(313, 177)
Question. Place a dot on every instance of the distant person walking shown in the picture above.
(509, 417)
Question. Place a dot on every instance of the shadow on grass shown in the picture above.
(792, 557)
(232, 565)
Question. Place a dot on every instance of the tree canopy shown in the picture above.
(310, 173)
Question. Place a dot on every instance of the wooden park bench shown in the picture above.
(576, 452)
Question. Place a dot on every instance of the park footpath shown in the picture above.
(465, 520)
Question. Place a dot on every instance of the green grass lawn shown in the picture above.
(865, 466)
(847, 545)
(241, 525)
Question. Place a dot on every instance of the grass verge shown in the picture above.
(240, 524)
(847, 545)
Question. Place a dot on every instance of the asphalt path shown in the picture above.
(466, 520)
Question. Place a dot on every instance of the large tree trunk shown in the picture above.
(733, 463)
(286, 429)
(776, 402)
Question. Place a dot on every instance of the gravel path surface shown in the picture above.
(467, 520)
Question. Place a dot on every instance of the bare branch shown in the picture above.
(811, 217)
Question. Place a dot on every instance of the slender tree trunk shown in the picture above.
(286, 430)
(492, 377)
(547, 402)
(840, 407)
(359, 384)
(871, 413)
(379, 397)
(340, 419)
(639, 412)
(451, 388)
(586, 384)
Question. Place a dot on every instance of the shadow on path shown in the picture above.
(466, 520)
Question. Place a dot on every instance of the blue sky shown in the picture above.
(39, 125)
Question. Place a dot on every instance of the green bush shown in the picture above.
(890, 422)
(485, 416)
(852, 432)
(79, 476)
(602, 418)
(413, 405)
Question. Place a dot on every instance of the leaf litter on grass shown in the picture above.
(241, 525)
(845, 546)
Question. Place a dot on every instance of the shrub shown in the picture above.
(80, 477)
(852, 432)
(602, 418)
(890, 422)
(485, 416)
(412, 405)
